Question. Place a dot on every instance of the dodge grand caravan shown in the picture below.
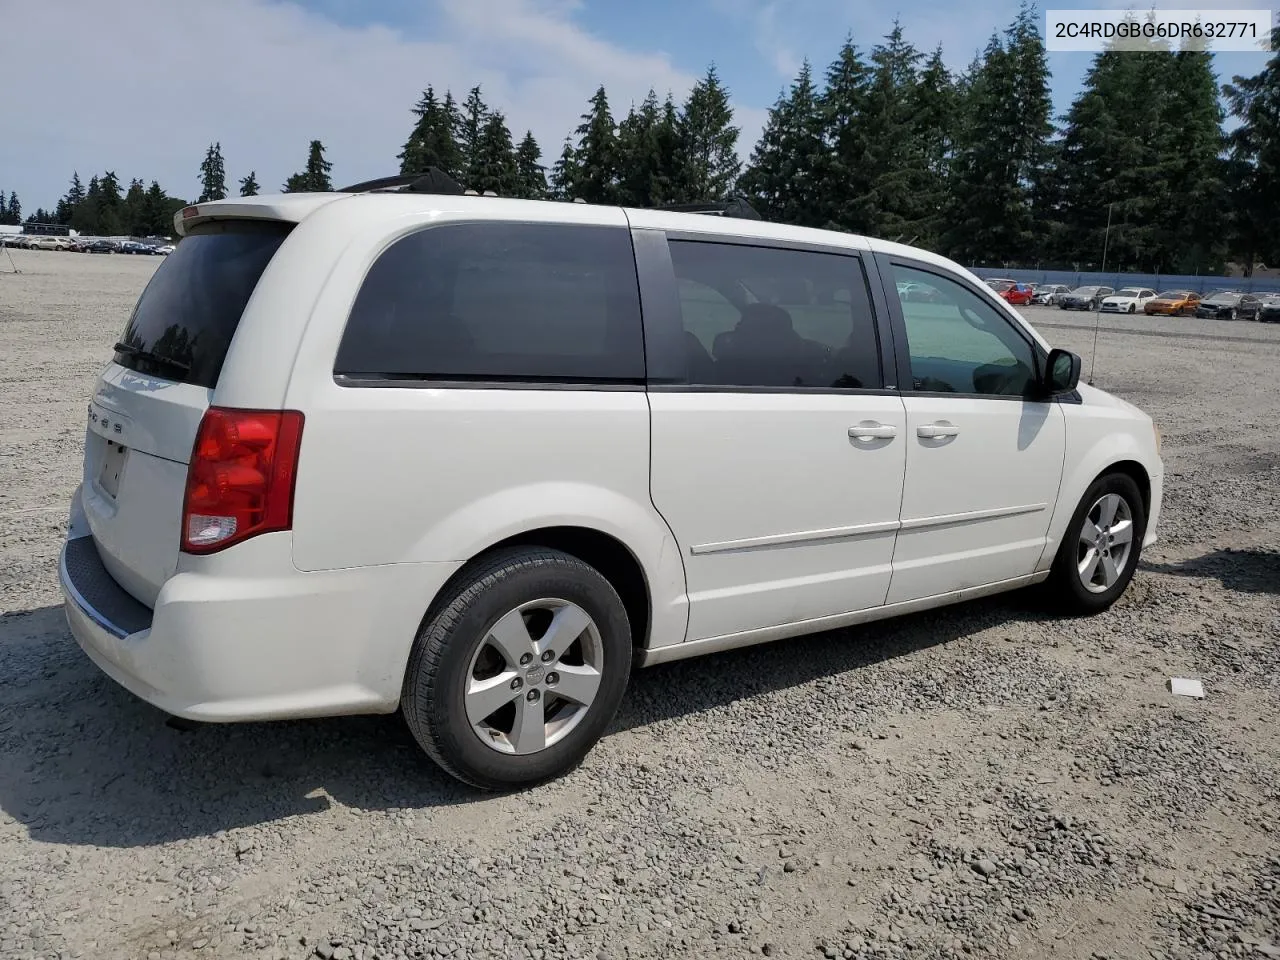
(474, 459)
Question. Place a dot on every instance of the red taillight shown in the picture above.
(240, 478)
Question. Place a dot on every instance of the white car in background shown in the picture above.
(1128, 300)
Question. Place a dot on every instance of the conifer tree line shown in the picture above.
(887, 141)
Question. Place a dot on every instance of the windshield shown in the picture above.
(182, 324)
(1086, 291)
(1129, 292)
(999, 286)
(1223, 296)
(1174, 295)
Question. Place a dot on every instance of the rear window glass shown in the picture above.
(499, 302)
(182, 325)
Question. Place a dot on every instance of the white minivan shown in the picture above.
(475, 458)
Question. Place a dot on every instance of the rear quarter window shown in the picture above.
(499, 302)
(182, 325)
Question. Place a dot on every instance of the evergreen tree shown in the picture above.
(14, 210)
(847, 201)
(470, 127)
(73, 198)
(934, 108)
(596, 179)
(84, 218)
(564, 173)
(315, 178)
(640, 157)
(109, 219)
(1002, 148)
(4, 208)
(1255, 156)
(133, 211)
(1193, 238)
(667, 138)
(1110, 155)
(494, 165)
(159, 222)
(707, 154)
(213, 175)
(531, 179)
(783, 179)
(431, 143)
(249, 185)
(892, 157)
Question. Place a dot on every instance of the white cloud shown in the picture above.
(142, 87)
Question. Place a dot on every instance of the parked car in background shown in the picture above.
(1127, 300)
(1017, 294)
(1084, 298)
(50, 243)
(133, 246)
(11, 240)
(1228, 305)
(262, 530)
(100, 246)
(999, 283)
(1172, 303)
(165, 249)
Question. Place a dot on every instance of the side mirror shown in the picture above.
(1062, 372)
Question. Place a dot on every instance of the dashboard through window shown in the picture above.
(958, 342)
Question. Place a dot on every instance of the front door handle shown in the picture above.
(871, 430)
(932, 431)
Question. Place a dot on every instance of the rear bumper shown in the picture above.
(249, 637)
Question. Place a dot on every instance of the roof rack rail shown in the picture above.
(431, 180)
(735, 207)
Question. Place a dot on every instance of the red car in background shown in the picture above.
(1016, 294)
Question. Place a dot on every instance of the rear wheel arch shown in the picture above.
(612, 558)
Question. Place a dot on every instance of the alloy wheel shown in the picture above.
(1105, 544)
(534, 676)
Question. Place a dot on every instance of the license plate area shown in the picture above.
(113, 461)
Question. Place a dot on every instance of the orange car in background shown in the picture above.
(1173, 303)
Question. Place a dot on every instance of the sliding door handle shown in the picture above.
(871, 430)
(933, 431)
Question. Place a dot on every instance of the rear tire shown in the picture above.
(543, 639)
(1085, 579)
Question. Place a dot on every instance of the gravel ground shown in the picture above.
(977, 781)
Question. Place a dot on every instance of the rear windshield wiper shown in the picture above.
(129, 350)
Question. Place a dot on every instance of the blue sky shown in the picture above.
(142, 87)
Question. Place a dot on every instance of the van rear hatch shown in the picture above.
(147, 406)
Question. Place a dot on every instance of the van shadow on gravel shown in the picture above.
(83, 761)
(1244, 571)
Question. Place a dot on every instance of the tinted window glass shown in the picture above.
(497, 301)
(959, 343)
(757, 316)
(182, 324)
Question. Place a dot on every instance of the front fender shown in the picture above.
(1096, 442)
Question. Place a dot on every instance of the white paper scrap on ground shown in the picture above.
(1184, 687)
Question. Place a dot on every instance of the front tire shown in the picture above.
(520, 670)
(1101, 547)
